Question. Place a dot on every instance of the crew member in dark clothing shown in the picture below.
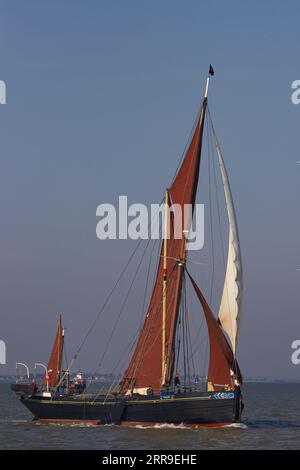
(149, 391)
(177, 382)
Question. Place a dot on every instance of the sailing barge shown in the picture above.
(148, 394)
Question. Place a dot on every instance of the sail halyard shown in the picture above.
(230, 310)
(152, 362)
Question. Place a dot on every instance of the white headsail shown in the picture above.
(231, 302)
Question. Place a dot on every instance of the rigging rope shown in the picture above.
(123, 305)
(147, 282)
(210, 214)
(213, 134)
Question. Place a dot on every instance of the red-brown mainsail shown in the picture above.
(145, 367)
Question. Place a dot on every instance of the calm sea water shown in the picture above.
(271, 421)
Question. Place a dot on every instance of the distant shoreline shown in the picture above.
(12, 378)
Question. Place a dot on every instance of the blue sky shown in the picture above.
(101, 97)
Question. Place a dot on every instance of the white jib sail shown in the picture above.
(232, 297)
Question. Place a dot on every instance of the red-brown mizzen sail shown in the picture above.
(221, 360)
(55, 360)
(145, 367)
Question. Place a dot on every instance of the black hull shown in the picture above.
(74, 410)
(189, 409)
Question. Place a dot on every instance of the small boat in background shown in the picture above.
(22, 386)
(52, 372)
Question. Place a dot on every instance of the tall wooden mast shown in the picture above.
(164, 290)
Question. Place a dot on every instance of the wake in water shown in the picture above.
(68, 425)
(183, 426)
(162, 426)
(236, 425)
(138, 426)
